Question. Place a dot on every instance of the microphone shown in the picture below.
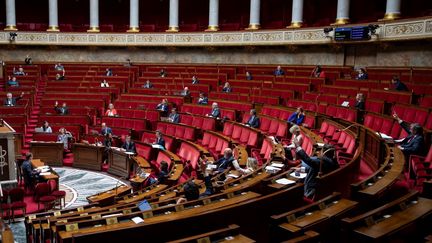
(346, 128)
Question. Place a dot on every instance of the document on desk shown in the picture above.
(137, 220)
(158, 146)
(285, 181)
(45, 173)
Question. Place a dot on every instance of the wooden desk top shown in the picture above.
(141, 196)
(397, 220)
(111, 193)
(38, 163)
(165, 217)
(248, 182)
(341, 206)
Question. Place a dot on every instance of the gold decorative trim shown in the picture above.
(172, 29)
(254, 27)
(295, 25)
(390, 16)
(11, 27)
(53, 28)
(341, 21)
(93, 29)
(212, 28)
(133, 30)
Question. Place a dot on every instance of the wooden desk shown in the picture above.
(53, 176)
(120, 163)
(108, 197)
(49, 152)
(88, 156)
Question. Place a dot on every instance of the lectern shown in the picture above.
(7, 152)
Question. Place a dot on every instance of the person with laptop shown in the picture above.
(44, 128)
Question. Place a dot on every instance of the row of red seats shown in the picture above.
(202, 122)
(270, 126)
(283, 113)
(420, 168)
(148, 114)
(150, 137)
(177, 130)
(206, 109)
(129, 123)
(242, 134)
(215, 143)
(384, 124)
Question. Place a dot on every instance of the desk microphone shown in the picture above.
(346, 128)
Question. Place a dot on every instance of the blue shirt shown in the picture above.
(296, 119)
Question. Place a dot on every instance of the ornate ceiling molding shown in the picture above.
(388, 31)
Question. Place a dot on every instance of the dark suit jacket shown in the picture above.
(412, 144)
(204, 101)
(223, 163)
(175, 118)
(162, 107)
(215, 112)
(360, 105)
(12, 101)
(129, 147)
(161, 142)
(106, 131)
(253, 121)
(61, 110)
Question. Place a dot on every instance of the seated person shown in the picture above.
(161, 176)
(296, 138)
(329, 163)
(105, 129)
(226, 88)
(251, 166)
(108, 143)
(129, 145)
(279, 71)
(163, 73)
(414, 143)
(360, 102)
(398, 85)
(64, 137)
(59, 67)
(163, 106)
(362, 75)
(215, 113)
(12, 82)
(159, 139)
(185, 92)
(174, 117)
(195, 80)
(108, 72)
(12, 101)
(128, 63)
(253, 121)
(104, 84)
(191, 192)
(60, 76)
(248, 76)
(20, 71)
(148, 85)
(297, 117)
(202, 100)
(30, 175)
(111, 111)
(63, 110)
(317, 72)
(28, 60)
(46, 127)
(225, 162)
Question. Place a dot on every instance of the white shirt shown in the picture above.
(104, 85)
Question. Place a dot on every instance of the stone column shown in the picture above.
(173, 16)
(94, 16)
(10, 15)
(134, 16)
(213, 16)
(53, 16)
(297, 14)
(342, 12)
(254, 20)
(392, 10)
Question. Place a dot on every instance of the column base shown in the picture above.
(172, 29)
(93, 29)
(53, 29)
(253, 27)
(133, 30)
(390, 16)
(295, 25)
(11, 27)
(212, 28)
(341, 21)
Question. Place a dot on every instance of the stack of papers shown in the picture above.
(45, 173)
(285, 181)
(301, 176)
(278, 165)
(272, 169)
(137, 220)
(232, 175)
(384, 136)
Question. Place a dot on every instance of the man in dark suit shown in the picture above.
(195, 80)
(148, 85)
(215, 111)
(253, 121)
(163, 106)
(360, 102)
(105, 129)
(226, 161)
(202, 100)
(129, 145)
(279, 71)
(414, 143)
(185, 92)
(63, 110)
(11, 101)
(159, 139)
(398, 85)
(174, 117)
(329, 163)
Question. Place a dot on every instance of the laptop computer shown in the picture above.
(39, 129)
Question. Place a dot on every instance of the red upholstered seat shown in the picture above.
(237, 130)
(228, 129)
(42, 195)
(16, 197)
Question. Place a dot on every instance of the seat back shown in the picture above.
(53, 185)
(41, 189)
(16, 195)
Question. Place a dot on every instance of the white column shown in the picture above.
(134, 16)
(213, 15)
(94, 16)
(173, 16)
(392, 9)
(254, 20)
(53, 16)
(10, 15)
(342, 12)
(297, 14)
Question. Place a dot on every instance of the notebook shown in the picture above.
(144, 206)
